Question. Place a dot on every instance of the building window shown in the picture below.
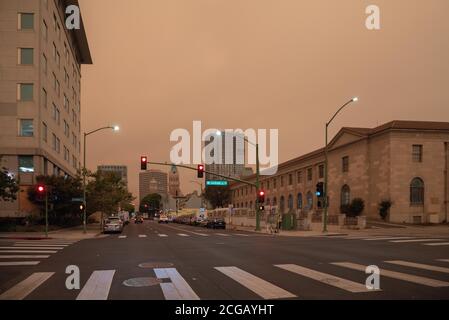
(275, 202)
(268, 184)
(309, 200)
(66, 154)
(290, 179)
(44, 63)
(299, 201)
(26, 56)
(26, 164)
(44, 131)
(417, 192)
(282, 181)
(345, 195)
(290, 203)
(26, 21)
(309, 174)
(299, 176)
(274, 183)
(44, 98)
(321, 171)
(58, 145)
(282, 205)
(417, 152)
(345, 164)
(26, 128)
(44, 30)
(54, 51)
(25, 91)
(53, 141)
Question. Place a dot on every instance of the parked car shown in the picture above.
(216, 224)
(113, 224)
(163, 218)
(138, 220)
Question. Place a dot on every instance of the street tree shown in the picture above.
(218, 197)
(8, 186)
(151, 202)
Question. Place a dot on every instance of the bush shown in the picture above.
(384, 208)
(356, 207)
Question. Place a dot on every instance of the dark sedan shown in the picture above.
(216, 224)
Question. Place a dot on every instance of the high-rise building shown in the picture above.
(174, 182)
(227, 157)
(120, 171)
(40, 85)
(148, 186)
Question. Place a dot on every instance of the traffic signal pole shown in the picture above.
(46, 212)
(257, 189)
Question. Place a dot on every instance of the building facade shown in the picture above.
(153, 181)
(405, 162)
(120, 171)
(174, 184)
(40, 89)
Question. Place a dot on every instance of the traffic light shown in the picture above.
(261, 197)
(200, 171)
(41, 189)
(261, 208)
(81, 207)
(143, 162)
(40, 192)
(320, 189)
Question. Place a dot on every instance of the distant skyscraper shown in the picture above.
(121, 171)
(148, 186)
(173, 182)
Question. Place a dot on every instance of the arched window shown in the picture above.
(290, 202)
(309, 200)
(299, 201)
(251, 205)
(282, 204)
(275, 201)
(345, 195)
(417, 192)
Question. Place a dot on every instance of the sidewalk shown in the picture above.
(75, 233)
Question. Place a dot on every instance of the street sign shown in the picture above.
(217, 183)
(77, 200)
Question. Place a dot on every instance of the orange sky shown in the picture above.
(284, 64)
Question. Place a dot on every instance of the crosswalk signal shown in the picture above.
(143, 163)
(261, 197)
(320, 189)
(200, 171)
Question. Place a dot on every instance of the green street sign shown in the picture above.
(217, 183)
(77, 200)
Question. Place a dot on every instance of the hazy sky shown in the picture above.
(283, 64)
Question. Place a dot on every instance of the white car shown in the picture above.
(163, 219)
(113, 224)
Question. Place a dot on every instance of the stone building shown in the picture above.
(174, 183)
(405, 162)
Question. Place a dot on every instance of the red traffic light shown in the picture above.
(200, 171)
(41, 189)
(261, 193)
(261, 197)
(143, 162)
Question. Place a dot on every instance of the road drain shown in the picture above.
(151, 265)
(142, 282)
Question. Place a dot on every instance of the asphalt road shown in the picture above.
(184, 262)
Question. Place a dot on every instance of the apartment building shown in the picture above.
(40, 89)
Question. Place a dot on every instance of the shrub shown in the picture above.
(356, 207)
(384, 208)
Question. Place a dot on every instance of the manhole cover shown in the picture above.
(151, 265)
(142, 282)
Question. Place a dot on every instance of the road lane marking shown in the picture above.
(32, 248)
(98, 286)
(21, 290)
(391, 238)
(24, 257)
(222, 234)
(44, 243)
(416, 240)
(262, 288)
(443, 260)
(183, 235)
(437, 244)
(396, 275)
(122, 237)
(40, 245)
(162, 235)
(19, 263)
(142, 235)
(27, 251)
(325, 278)
(241, 234)
(419, 266)
(178, 289)
(200, 234)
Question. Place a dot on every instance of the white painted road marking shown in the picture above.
(162, 235)
(21, 290)
(415, 240)
(32, 248)
(122, 237)
(419, 266)
(262, 288)
(341, 283)
(19, 263)
(222, 234)
(24, 257)
(27, 251)
(396, 275)
(142, 235)
(390, 238)
(178, 289)
(241, 235)
(200, 234)
(437, 244)
(98, 286)
(443, 260)
(40, 245)
(183, 235)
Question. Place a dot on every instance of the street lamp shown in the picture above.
(115, 129)
(326, 197)
(219, 133)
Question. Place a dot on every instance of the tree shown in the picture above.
(8, 186)
(356, 207)
(151, 202)
(384, 208)
(218, 197)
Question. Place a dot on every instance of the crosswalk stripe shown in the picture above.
(142, 235)
(262, 288)
(443, 260)
(183, 235)
(32, 248)
(98, 286)
(122, 237)
(341, 283)
(27, 251)
(200, 234)
(178, 289)
(21, 290)
(222, 234)
(437, 244)
(396, 275)
(241, 235)
(40, 245)
(23, 257)
(415, 240)
(391, 238)
(19, 263)
(162, 235)
(419, 266)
